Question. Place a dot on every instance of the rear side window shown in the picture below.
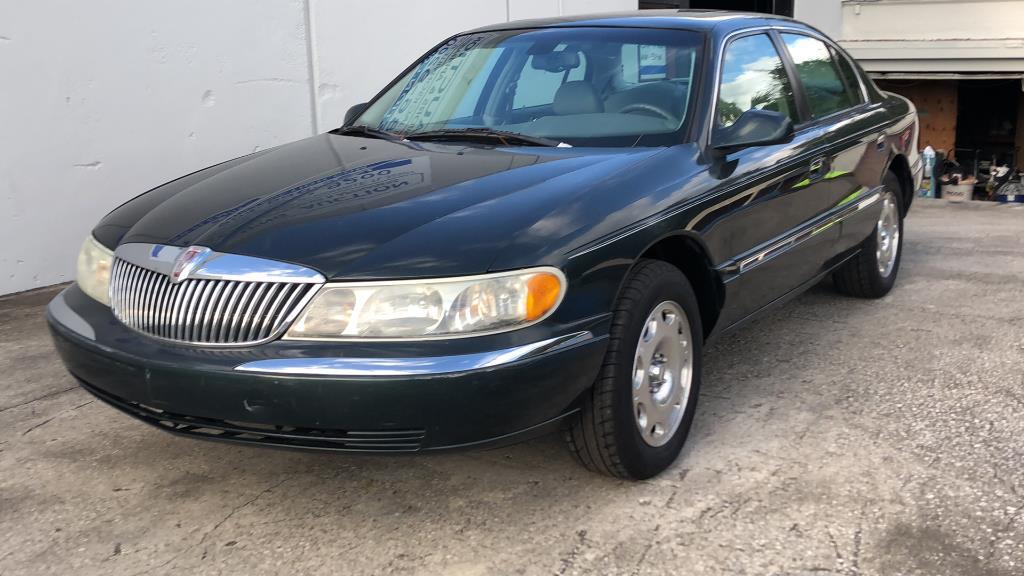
(852, 83)
(753, 76)
(825, 89)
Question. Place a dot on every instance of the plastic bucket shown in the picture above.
(958, 192)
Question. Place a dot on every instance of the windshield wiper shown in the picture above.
(485, 134)
(368, 132)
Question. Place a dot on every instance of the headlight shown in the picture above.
(441, 308)
(94, 262)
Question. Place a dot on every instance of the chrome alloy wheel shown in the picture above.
(888, 236)
(662, 372)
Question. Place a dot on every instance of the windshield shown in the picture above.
(582, 86)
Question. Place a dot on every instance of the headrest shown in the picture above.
(577, 97)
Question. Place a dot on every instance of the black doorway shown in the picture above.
(781, 7)
(986, 124)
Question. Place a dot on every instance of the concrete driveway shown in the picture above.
(835, 436)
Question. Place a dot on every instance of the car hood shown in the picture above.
(354, 207)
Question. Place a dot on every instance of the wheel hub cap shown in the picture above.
(888, 236)
(662, 371)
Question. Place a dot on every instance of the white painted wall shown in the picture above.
(353, 67)
(342, 33)
(825, 15)
(101, 100)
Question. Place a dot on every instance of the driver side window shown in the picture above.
(753, 76)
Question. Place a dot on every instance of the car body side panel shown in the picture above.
(861, 157)
(718, 206)
(866, 144)
(727, 211)
(758, 216)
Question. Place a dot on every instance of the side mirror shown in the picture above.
(754, 128)
(354, 113)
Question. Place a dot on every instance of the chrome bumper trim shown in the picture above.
(68, 318)
(917, 173)
(437, 365)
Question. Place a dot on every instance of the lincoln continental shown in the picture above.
(537, 226)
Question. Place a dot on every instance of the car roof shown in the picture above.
(701, 20)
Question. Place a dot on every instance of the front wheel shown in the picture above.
(636, 418)
(872, 272)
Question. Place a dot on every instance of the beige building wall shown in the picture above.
(920, 36)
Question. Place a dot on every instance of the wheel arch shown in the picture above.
(689, 255)
(900, 166)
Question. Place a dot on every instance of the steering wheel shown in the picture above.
(644, 107)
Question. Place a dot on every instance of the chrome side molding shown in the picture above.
(352, 367)
(855, 203)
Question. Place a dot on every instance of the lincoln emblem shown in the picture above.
(187, 261)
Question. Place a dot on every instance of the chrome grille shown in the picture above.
(203, 311)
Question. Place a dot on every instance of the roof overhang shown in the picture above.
(944, 76)
(974, 56)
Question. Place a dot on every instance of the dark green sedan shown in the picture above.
(538, 225)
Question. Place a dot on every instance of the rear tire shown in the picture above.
(872, 272)
(636, 418)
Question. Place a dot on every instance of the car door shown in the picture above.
(852, 125)
(768, 220)
(863, 148)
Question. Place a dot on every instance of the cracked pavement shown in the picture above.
(834, 436)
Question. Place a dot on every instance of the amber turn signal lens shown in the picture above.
(542, 294)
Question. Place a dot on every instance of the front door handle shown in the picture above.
(818, 168)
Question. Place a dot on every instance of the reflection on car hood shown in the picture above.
(361, 208)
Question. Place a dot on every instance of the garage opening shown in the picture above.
(986, 129)
(780, 7)
(974, 123)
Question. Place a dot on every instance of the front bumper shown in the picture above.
(313, 395)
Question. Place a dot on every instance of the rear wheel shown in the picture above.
(637, 416)
(872, 273)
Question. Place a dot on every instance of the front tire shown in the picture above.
(872, 272)
(636, 418)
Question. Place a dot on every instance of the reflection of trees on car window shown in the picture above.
(826, 91)
(753, 77)
(728, 112)
(439, 84)
(769, 97)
